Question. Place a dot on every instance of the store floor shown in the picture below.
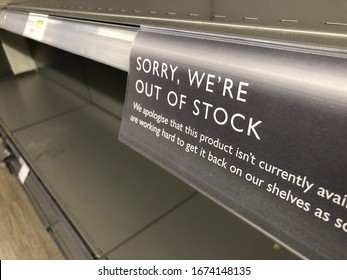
(22, 235)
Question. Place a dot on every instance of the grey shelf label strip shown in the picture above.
(105, 43)
(289, 22)
(260, 128)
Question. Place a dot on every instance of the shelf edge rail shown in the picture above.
(105, 43)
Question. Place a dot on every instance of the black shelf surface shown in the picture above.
(108, 191)
(310, 21)
(113, 197)
(199, 221)
(85, 168)
(30, 99)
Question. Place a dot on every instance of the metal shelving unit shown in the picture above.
(99, 198)
(86, 177)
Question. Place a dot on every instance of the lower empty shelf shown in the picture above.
(121, 205)
(108, 191)
(29, 99)
(199, 229)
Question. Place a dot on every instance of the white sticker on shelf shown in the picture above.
(35, 27)
(24, 171)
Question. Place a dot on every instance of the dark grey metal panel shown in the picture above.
(200, 229)
(107, 86)
(5, 67)
(311, 21)
(62, 67)
(3, 3)
(28, 99)
(108, 191)
(70, 75)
